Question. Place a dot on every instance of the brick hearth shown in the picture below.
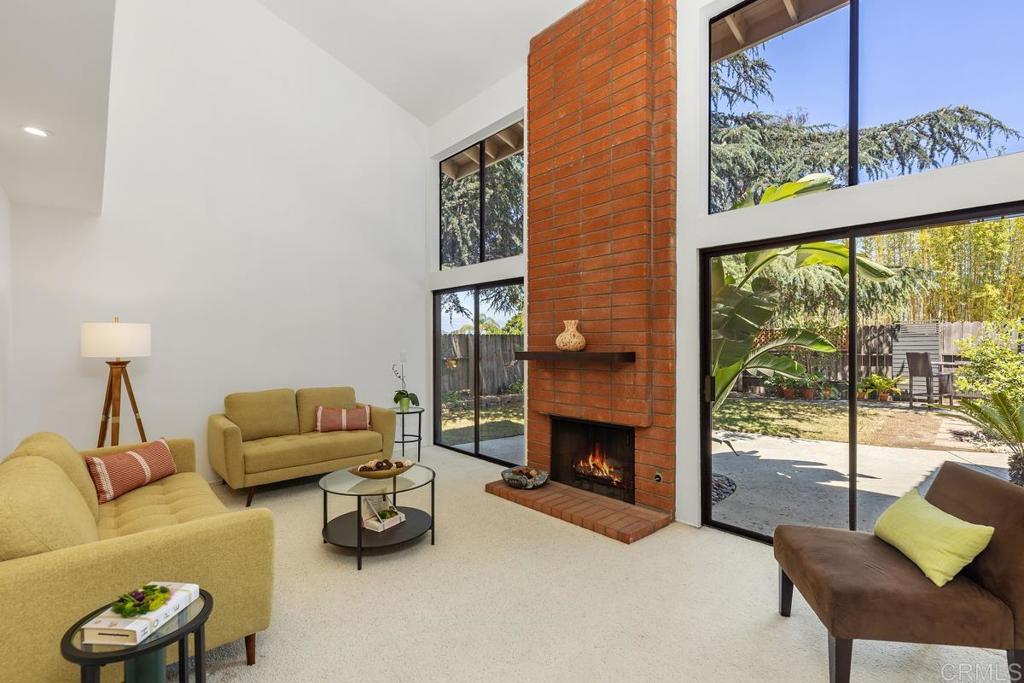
(601, 234)
(613, 518)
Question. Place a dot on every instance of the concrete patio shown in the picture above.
(798, 481)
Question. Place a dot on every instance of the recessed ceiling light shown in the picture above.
(38, 132)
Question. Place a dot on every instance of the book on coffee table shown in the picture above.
(110, 628)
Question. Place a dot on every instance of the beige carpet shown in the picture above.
(511, 594)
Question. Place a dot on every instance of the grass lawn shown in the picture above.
(495, 423)
(828, 421)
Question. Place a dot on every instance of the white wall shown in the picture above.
(263, 209)
(979, 183)
(5, 309)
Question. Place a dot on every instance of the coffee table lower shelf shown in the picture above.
(347, 532)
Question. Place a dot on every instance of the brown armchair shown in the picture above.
(864, 589)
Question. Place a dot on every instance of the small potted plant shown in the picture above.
(403, 398)
(789, 387)
(864, 389)
(884, 387)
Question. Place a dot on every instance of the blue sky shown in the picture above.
(916, 55)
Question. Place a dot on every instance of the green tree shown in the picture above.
(751, 149)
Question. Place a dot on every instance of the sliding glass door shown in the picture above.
(779, 419)
(832, 380)
(478, 383)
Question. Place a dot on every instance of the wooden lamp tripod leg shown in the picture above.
(105, 415)
(135, 406)
(115, 407)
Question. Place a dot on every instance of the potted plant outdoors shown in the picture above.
(809, 387)
(884, 387)
(864, 389)
(774, 383)
(1002, 417)
(789, 387)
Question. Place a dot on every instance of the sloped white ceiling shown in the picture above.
(429, 56)
(54, 74)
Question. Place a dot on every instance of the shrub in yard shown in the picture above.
(1002, 417)
(996, 365)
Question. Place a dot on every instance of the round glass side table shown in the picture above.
(145, 662)
(416, 438)
(347, 530)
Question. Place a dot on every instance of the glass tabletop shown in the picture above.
(412, 410)
(344, 483)
(178, 621)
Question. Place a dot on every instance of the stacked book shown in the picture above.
(380, 514)
(110, 628)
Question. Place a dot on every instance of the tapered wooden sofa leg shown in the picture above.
(785, 593)
(250, 649)
(252, 493)
(840, 656)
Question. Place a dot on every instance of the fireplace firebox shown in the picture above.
(593, 456)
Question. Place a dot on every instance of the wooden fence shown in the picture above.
(878, 345)
(499, 369)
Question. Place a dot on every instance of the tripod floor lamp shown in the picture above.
(116, 340)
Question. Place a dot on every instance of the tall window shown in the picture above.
(482, 203)
(835, 93)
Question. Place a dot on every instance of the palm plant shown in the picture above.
(1003, 418)
(743, 304)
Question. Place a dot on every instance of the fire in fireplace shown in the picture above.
(593, 456)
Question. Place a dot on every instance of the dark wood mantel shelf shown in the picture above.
(579, 356)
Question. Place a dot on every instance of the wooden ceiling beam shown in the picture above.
(735, 25)
(792, 9)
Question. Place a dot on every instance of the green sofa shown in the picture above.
(63, 555)
(268, 436)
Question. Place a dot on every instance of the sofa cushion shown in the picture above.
(863, 588)
(310, 398)
(115, 474)
(260, 414)
(936, 541)
(57, 450)
(40, 509)
(342, 419)
(175, 499)
(303, 449)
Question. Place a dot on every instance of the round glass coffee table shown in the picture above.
(347, 530)
(145, 662)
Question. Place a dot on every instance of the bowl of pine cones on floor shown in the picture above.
(382, 469)
(524, 477)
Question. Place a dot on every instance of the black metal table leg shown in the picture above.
(394, 491)
(183, 660)
(200, 648)
(433, 518)
(90, 674)
(419, 434)
(324, 533)
(359, 532)
(403, 436)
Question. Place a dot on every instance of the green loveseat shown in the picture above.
(268, 436)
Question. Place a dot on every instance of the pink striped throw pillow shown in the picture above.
(116, 474)
(342, 419)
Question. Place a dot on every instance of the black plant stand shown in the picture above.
(144, 662)
(416, 438)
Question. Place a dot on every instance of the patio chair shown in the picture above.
(919, 364)
(862, 588)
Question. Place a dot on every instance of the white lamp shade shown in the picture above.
(115, 340)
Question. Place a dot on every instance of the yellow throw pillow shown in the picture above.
(936, 541)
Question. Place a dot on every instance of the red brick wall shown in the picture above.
(601, 149)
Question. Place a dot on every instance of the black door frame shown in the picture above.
(852, 234)
(436, 370)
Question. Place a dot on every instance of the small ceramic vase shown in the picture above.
(571, 339)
